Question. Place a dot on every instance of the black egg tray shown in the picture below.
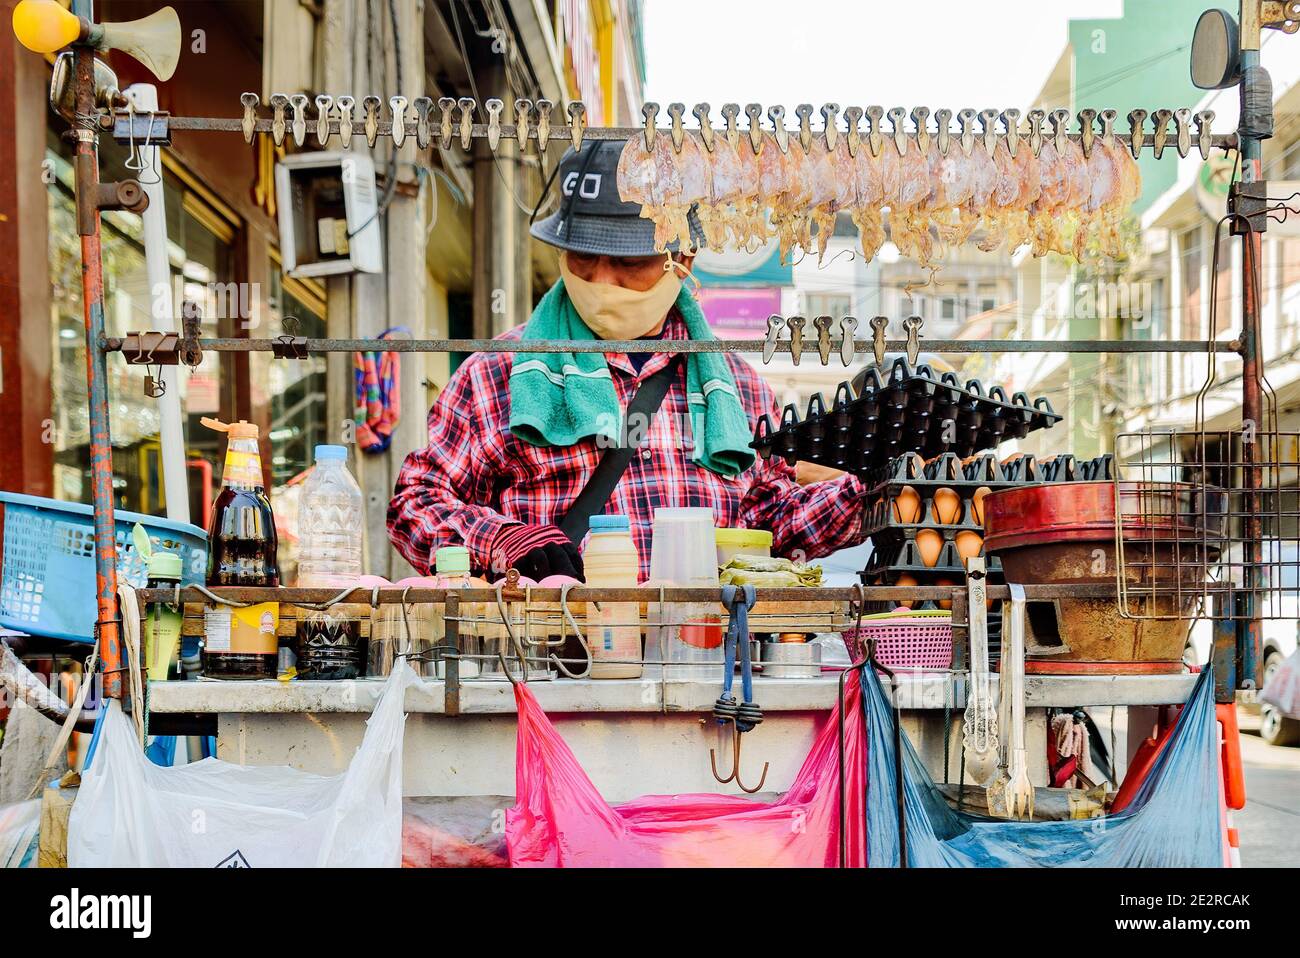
(911, 409)
(964, 478)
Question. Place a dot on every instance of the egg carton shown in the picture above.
(909, 409)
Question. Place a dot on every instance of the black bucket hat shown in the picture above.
(592, 218)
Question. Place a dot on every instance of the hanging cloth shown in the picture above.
(1172, 822)
(378, 395)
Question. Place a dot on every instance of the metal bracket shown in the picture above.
(1248, 200)
(1281, 15)
(123, 195)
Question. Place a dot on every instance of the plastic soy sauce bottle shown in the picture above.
(241, 642)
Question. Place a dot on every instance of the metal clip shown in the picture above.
(804, 112)
(423, 134)
(755, 113)
(494, 106)
(777, 115)
(289, 345)
(249, 124)
(544, 108)
(943, 136)
(371, 105)
(966, 118)
(852, 136)
(773, 334)
(1182, 120)
(899, 129)
(1160, 118)
(989, 124)
(1108, 127)
(848, 344)
(1136, 134)
(279, 102)
(912, 330)
(1036, 118)
(1011, 123)
(151, 349)
(397, 129)
(1204, 138)
(701, 112)
(1086, 131)
(577, 123)
(874, 132)
(324, 104)
(829, 113)
(346, 103)
(796, 324)
(878, 326)
(650, 111)
(1060, 120)
(299, 102)
(447, 106)
(920, 114)
(730, 111)
(675, 131)
(467, 106)
(522, 109)
(823, 326)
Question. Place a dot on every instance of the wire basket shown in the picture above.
(905, 640)
(47, 570)
(1213, 527)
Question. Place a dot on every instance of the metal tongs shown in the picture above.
(980, 723)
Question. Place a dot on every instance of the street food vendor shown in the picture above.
(524, 447)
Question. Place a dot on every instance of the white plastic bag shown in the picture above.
(215, 814)
(19, 824)
(1282, 690)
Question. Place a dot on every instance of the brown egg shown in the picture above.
(947, 506)
(969, 544)
(904, 581)
(948, 583)
(929, 543)
(977, 503)
(907, 505)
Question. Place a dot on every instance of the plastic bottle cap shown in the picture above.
(234, 430)
(164, 565)
(324, 451)
(744, 538)
(451, 560)
(609, 523)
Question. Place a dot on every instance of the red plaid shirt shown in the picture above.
(475, 478)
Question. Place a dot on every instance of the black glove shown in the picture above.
(554, 558)
(536, 552)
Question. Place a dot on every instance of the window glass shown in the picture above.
(200, 269)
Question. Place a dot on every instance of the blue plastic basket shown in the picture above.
(47, 578)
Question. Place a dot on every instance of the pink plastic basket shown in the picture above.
(904, 641)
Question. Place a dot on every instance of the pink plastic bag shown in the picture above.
(560, 820)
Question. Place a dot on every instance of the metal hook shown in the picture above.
(564, 609)
(508, 622)
(734, 776)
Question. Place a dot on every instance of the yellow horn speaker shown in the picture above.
(43, 26)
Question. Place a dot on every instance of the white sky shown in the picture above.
(935, 53)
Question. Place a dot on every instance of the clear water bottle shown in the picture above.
(330, 521)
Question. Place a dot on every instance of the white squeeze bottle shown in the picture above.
(613, 629)
(330, 520)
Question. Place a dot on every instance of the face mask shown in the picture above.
(612, 312)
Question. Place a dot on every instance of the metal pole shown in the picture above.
(92, 291)
(1249, 636)
(171, 432)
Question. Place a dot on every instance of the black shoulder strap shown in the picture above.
(615, 460)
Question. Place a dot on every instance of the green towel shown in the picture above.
(559, 399)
